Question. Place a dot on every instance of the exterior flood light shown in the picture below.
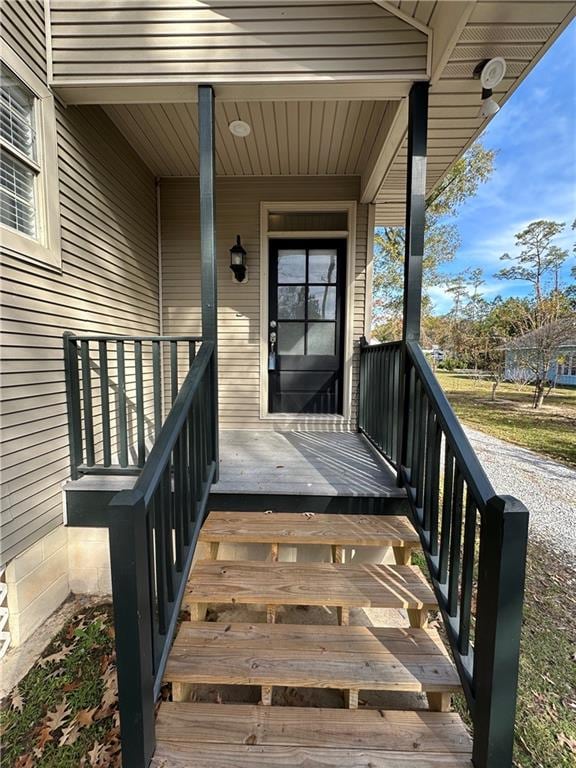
(490, 72)
(238, 261)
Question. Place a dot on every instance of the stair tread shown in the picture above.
(306, 528)
(388, 664)
(246, 756)
(215, 732)
(296, 637)
(362, 585)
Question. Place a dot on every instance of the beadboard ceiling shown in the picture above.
(291, 138)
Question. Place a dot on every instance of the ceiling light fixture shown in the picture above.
(239, 128)
(490, 72)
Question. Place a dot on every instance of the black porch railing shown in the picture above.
(474, 541)
(119, 389)
(153, 530)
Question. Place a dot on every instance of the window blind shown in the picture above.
(17, 176)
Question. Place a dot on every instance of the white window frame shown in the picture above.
(350, 236)
(44, 249)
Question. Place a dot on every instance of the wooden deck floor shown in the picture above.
(302, 463)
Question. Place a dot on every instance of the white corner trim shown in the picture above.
(369, 270)
(395, 11)
(350, 206)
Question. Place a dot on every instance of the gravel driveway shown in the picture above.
(547, 488)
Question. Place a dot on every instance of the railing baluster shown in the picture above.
(469, 548)
(391, 412)
(395, 406)
(381, 400)
(73, 403)
(157, 386)
(178, 507)
(168, 531)
(154, 594)
(184, 483)
(173, 370)
(421, 447)
(87, 402)
(122, 435)
(430, 482)
(434, 485)
(158, 507)
(446, 515)
(139, 402)
(455, 545)
(410, 411)
(191, 352)
(105, 400)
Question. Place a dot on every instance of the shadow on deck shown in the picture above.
(302, 464)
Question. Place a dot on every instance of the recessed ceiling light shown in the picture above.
(239, 128)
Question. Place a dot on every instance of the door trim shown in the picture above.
(350, 236)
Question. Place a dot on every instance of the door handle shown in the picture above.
(272, 349)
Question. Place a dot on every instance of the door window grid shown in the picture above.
(313, 336)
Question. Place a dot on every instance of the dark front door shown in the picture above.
(306, 326)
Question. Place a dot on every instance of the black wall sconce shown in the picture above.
(238, 261)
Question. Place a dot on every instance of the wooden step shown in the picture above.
(349, 658)
(245, 736)
(332, 584)
(309, 528)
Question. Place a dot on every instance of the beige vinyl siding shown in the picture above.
(238, 212)
(22, 26)
(108, 284)
(233, 41)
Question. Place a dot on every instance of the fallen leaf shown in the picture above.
(17, 700)
(24, 761)
(71, 686)
(70, 734)
(58, 656)
(566, 741)
(94, 753)
(43, 738)
(59, 716)
(85, 717)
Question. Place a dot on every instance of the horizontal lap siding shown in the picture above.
(108, 283)
(155, 40)
(238, 212)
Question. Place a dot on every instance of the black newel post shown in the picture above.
(208, 247)
(414, 248)
(130, 566)
(501, 573)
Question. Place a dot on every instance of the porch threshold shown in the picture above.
(265, 462)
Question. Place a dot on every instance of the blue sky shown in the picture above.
(535, 174)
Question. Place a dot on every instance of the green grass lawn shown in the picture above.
(63, 714)
(550, 430)
(546, 713)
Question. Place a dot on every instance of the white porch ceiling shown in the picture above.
(288, 138)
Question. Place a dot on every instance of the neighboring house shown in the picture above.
(525, 359)
(307, 124)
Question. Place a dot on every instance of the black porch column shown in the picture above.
(208, 242)
(415, 210)
(413, 256)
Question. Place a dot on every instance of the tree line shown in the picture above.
(476, 331)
